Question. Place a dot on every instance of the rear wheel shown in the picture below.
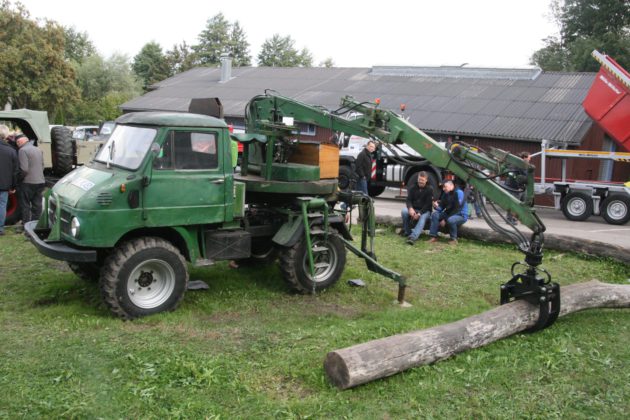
(577, 206)
(62, 150)
(345, 177)
(616, 209)
(329, 257)
(375, 190)
(142, 277)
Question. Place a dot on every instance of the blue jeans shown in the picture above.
(4, 198)
(362, 185)
(414, 233)
(453, 223)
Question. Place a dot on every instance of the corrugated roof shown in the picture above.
(519, 104)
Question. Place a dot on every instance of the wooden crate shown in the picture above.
(326, 156)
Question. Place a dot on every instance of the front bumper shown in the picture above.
(57, 250)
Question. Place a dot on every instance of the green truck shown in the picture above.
(162, 192)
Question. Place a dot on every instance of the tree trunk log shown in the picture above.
(356, 365)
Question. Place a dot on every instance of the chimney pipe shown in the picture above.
(226, 67)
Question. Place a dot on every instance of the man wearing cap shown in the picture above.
(9, 167)
(32, 178)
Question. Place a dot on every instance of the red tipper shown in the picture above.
(608, 100)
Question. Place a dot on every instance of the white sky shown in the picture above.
(489, 33)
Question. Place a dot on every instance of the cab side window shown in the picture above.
(188, 150)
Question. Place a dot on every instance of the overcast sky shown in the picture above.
(499, 33)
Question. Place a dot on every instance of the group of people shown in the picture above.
(423, 204)
(21, 170)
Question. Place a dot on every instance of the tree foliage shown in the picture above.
(585, 25)
(77, 45)
(104, 85)
(280, 51)
(34, 71)
(221, 36)
(180, 58)
(151, 65)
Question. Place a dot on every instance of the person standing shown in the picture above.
(418, 208)
(363, 167)
(9, 168)
(32, 179)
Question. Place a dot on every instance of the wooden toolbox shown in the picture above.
(326, 156)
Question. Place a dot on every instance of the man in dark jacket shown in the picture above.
(9, 168)
(32, 179)
(418, 208)
(451, 210)
(363, 167)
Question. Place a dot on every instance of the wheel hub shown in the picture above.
(145, 279)
(577, 207)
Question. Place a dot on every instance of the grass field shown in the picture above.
(247, 348)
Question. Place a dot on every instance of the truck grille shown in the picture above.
(52, 212)
(104, 199)
(65, 217)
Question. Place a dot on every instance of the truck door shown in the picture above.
(188, 182)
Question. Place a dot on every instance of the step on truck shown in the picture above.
(162, 193)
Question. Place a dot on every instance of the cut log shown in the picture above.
(356, 365)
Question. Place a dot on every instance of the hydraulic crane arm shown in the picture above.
(266, 114)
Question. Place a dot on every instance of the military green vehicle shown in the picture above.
(61, 152)
(162, 192)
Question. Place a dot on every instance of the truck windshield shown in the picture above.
(127, 146)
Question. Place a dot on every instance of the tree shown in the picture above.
(221, 36)
(279, 51)
(151, 65)
(239, 47)
(34, 71)
(104, 85)
(180, 58)
(78, 45)
(585, 25)
(328, 63)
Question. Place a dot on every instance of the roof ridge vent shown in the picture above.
(459, 72)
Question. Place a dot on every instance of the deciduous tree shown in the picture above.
(585, 25)
(34, 72)
(279, 51)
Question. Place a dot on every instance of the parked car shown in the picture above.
(84, 132)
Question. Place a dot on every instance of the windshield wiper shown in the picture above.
(112, 152)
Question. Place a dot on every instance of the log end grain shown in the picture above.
(337, 370)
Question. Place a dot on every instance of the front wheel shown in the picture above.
(329, 257)
(142, 277)
(616, 209)
(577, 206)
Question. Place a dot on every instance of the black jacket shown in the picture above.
(9, 167)
(420, 199)
(449, 203)
(363, 165)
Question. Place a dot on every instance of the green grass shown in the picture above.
(248, 348)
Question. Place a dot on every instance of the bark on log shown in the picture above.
(356, 365)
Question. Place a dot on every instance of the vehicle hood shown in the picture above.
(72, 187)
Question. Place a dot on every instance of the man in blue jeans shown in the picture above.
(418, 208)
(451, 210)
(9, 167)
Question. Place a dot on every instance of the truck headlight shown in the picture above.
(75, 227)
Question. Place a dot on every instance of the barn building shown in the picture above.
(512, 109)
